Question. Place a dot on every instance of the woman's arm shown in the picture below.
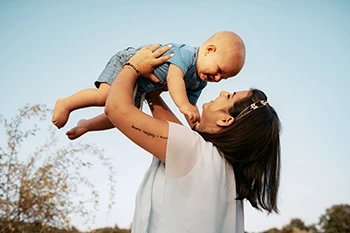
(160, 110)
(147, 132)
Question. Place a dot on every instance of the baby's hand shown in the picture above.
(191, 112)
(193, 117)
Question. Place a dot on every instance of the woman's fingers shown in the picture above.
(157, 52)
(161, 60)
(149, 57)
(160, 51)
(154, 47)
(154, 78)
(147, 47)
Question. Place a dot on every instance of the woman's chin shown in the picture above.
(206, 104)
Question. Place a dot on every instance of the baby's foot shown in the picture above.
(60, 113)
(78, 130)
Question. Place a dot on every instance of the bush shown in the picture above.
(38, 191)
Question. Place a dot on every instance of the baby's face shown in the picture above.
(212, 67)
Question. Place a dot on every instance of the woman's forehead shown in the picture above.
(241, 94)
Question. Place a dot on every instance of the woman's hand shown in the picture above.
(148, 58)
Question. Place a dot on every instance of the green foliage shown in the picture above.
(34, 227)
(298, 223)
(313, 228)
(292, 229)
(273, 230)
(39, 190)
(116, 229)
(336, 219)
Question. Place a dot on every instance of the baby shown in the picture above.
(185, 75)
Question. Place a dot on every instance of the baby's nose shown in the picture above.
(217, 78)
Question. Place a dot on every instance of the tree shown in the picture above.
(273, 230)
(116, 229)
(298, 223)
(292, 229)
(336, 219)
(313, 228)
(40, 189)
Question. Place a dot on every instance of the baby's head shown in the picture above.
(220, 57)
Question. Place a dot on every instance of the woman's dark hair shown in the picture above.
(251, 144)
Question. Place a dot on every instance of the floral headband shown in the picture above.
(252, 107)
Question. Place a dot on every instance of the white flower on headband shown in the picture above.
(252, 107)
(259, 104)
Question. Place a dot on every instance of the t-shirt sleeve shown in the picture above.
(183, 58)
(183, 150)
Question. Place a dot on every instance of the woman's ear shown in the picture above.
(210, 49)
(225, 121)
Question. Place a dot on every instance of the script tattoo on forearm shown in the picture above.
(148, 133)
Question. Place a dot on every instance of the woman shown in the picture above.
(198, 179)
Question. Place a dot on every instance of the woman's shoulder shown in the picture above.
(187, 149)
(185, 134)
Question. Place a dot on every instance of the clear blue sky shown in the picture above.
(297, 52)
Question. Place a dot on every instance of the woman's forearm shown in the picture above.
(160, 110)
(147, 132)
(120, 98)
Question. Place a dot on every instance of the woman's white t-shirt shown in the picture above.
(195, 192)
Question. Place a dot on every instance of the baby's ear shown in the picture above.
(210, 49)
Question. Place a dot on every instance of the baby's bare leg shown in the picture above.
(100, 122)
(79, 130)
(82, 99)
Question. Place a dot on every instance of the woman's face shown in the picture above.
(216, 112)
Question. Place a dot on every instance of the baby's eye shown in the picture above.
(219, 70)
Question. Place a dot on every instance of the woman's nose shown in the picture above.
(224, 93)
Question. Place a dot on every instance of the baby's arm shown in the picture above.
(177, 90)
(189, 120)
